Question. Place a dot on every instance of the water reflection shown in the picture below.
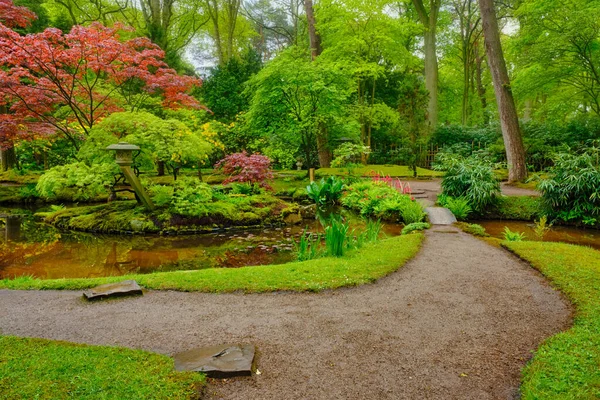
(585, 237)
(47, 253)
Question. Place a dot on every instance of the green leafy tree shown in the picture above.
(223, 90)
(168, 142)
(292, 96)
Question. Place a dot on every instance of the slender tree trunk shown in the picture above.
(515, 153)
(479, 80)
(160, 166)
(315, 50)
(431, 76)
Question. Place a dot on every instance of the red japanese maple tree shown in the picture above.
(52, 81)
(244, 168)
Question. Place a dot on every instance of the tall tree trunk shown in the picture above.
(315, 50)
(429, 22)
(313, 37)
(509, 121)
(431, 76)
(9, 158)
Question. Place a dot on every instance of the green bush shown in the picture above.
(162, 195)
(76, 182)
(572, 191)
(377, 199)
(415, 227)
(412, 213)
(471, 178)
(459, 207)
(190, 197)
(348, 154)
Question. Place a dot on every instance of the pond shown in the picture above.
(566, 234)
(42, 251)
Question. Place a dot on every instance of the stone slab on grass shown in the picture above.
(223, 361)
(119, 289)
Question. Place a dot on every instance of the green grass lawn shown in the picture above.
(47, 369)
(361, 266)
(400, 171)
(566, 366)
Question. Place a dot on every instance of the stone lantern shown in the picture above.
(124, 159)
(124, 153)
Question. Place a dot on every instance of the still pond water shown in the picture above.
(583, 237)
(44, 252)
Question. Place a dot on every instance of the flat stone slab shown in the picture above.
(119, 289)
(221, 361)
(440, 216)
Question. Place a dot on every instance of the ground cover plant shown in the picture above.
(565, 366)
(357, 267)
(47, 369)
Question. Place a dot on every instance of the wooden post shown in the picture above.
(311, 174)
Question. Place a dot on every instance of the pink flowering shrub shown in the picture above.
(402, 187)
(252, 169)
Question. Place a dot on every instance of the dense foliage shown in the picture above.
(379, 200)
(472, 179)
(572, 191)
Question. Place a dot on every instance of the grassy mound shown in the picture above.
(47, 369)
(566, 365)
(366, 265)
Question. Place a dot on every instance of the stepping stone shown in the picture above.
(221, 361)
(119, 289)
(440, 216)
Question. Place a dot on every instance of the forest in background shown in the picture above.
(385, 82)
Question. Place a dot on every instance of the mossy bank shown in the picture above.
(128, 217)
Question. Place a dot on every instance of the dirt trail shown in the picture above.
(457, 322)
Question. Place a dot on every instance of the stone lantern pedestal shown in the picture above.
(124, 159)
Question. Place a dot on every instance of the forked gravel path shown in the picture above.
(457, 322)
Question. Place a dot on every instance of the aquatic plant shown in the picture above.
(308, 246)
(336, 237)
(326, 192)
(541, 227)
(511, 236)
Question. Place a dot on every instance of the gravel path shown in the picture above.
(433, 187)
(456, 322)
